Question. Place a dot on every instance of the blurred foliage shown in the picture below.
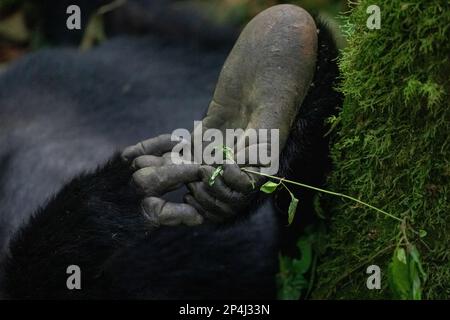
(14, 27)
(20, 20)
(16, 35)
(295, 279)
(239, 12)
(95, 29)
(392, 148)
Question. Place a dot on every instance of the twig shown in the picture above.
(325, 191)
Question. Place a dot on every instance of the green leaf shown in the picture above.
(399, 280)
(290, 282)
(317, 207)
(295, 275)
(215, 174)
(415, 256)
(228, 153)
(401, 255)
(269, 187)
(302, 266)
(415, 272)
(406, 274)
(416, 288)
(422, 233)
(292, 209)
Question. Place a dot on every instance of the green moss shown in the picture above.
(391, 148)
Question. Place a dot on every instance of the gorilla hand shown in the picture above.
(156, 176)
(230, 195)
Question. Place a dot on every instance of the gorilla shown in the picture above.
(69, 196)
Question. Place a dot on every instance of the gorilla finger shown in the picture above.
(160, 212)
(176, 158)
(239, 180)
(189, 199)
(154, 181)
(219, 189)
(153, 146)
(213, 206)
(148, 161)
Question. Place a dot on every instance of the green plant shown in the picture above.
(406, 274)
(228, 155)
(391, 144)
(295, 276)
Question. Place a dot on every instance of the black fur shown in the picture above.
(305, 156)
(58, 106)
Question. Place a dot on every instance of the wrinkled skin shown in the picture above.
(262, 84)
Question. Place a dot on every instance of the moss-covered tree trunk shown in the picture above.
(392, 149)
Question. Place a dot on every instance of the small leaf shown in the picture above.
(269, 187)
(291, 283)
(215, 174)
(292, 209)
(422, 233)
(228, 153)
(416, 287)
(415, 256)
(399, 279)
(317, 207)
(401, 255)
(415, 266)
(302, 266)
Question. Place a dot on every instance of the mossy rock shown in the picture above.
(391, 148)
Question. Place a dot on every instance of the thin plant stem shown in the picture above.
(325, 191)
